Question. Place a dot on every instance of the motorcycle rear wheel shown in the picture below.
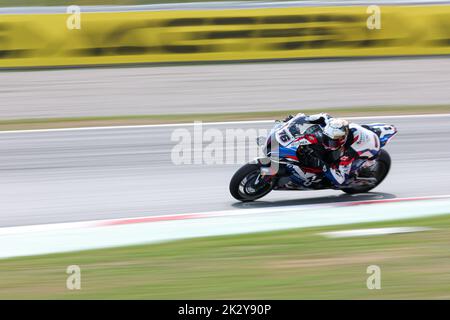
(243, 186)
(384, 165)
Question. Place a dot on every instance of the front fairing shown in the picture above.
(285, 137)
(275, 146)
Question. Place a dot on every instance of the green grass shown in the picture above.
(45, 123)
(294, 264)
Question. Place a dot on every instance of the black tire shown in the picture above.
(384, 161)
(246, 171)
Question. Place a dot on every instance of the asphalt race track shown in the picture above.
(74, 175)
(240, 87)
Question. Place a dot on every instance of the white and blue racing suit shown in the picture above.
(362, 145)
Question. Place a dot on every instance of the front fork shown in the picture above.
(268, 168)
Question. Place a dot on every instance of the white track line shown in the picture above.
(214, 5)
(372, 232)
(284, 208)
(203, 215)
(190, 124)
(49, 239)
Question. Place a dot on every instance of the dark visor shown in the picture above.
(332, 143)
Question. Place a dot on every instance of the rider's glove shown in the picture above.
(320, 118)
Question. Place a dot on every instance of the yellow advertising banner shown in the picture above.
(220, 35)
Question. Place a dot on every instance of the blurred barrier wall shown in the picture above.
(231, 34)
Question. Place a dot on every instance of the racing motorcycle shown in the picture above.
(283, 165)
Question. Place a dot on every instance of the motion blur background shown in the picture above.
(136, 68)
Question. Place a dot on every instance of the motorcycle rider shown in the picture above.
(343, 145)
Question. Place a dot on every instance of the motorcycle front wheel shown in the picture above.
(247, 184)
